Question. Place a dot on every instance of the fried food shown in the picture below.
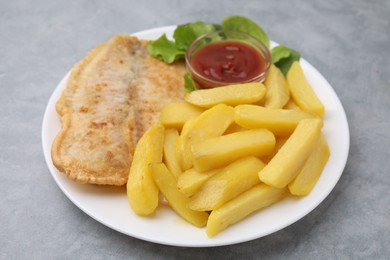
(112, 97)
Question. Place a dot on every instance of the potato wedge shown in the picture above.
(301, 91)
(191, 180)
(142, 192)
(256, 198)
(169, 155)
(211, 123)
(174, 115)
(284, 166)
(311, 170)
(231, 181)
(278, 144)
(168, 187)
(234, 128)
(220, 151)
(278, 92)
(230, 95)
(281, 122)
(291, 105)
(181, 147)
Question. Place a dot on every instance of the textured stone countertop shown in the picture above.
(347, 41)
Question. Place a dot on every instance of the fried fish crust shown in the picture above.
(112, 97)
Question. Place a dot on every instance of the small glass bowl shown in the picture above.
(221, 35)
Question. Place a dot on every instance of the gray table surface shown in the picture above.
(347, 41)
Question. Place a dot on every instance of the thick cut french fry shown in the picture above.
(230, 95)
(178, 201)
(278, 93)
(291, 105)
(229, 182)
(233, 128)
(211, 123)
(220, 151)
(142, 192)
(284, 166)
(301, 91)
(170, 158)
(281, 122)
(191, 180)
(174, 115)
(256, 198)
(181, 146)
(278, 144)
(311, 170)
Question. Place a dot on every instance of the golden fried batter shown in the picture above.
(112, 97)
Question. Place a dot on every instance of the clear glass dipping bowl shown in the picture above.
(218, 36)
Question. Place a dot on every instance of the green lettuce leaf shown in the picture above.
(283, 57)
(165, 50)
(243, 24)
(185, 34)
(279, 52)
(189, 84)
(170, 51)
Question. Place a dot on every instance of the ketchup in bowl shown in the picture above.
(227, 57)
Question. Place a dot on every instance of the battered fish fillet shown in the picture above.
(112, 97)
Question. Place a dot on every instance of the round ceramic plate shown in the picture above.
(109, 205)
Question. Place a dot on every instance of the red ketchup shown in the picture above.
(227, 62)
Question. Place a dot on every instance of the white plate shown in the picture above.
(109, 205)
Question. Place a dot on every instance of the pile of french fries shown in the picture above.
(230, 151)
